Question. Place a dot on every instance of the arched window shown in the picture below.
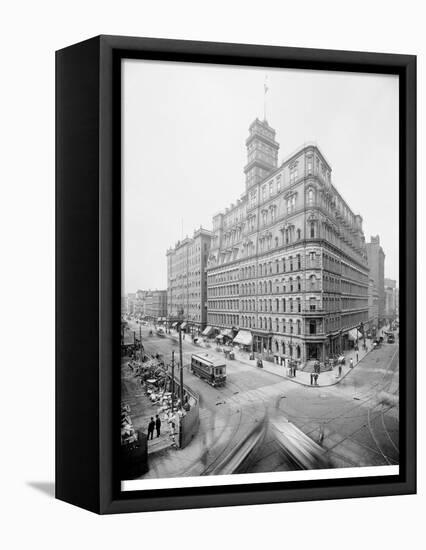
(260, 270)
(270, 324)
(310, 197)
(299, 262)
(260, 322)
(312, 230)
(283, 348)
(277, 325)
(312, 282)
(299, 285)
(298, 352)
(276, 242)
(291, 284)
(283, 302)
(276, 346)
(299, 234)
(270, 286)
(298, 326)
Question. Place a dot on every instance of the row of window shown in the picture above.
(283, 265)
(225, 290)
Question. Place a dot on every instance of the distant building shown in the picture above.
(131, 300)
(376, 264)
(391, 299)
(186, 279)
(373, 305)
(288, 263)
(140, 303)
(156, 305)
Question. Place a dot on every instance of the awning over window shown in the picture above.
(243, 337)
(352, 334)
(183, 325)
(207, 331)
(227, 333)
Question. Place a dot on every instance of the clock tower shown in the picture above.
(262, 152)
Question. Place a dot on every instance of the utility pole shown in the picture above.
(181, 367)
(172, 389)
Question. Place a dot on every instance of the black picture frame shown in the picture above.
(88, 265)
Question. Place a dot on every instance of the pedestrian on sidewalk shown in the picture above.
(158, 425)
(357, 360)
(151, 427)
(340, 370)
(351, 363)
(312, 378)
(316, 378)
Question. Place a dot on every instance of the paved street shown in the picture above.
(355, 421)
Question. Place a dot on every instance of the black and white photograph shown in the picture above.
(260, 274)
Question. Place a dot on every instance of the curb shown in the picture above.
(283, 377)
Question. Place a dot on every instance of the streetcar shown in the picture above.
(209, 369)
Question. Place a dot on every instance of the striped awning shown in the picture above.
(207, 331)
(243, 337)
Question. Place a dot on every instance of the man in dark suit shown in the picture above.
(158, 424)
(151, 427)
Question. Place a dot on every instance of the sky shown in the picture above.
(184, 128)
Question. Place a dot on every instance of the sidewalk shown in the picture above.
(328, 378)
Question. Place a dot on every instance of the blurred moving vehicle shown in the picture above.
(297, 446)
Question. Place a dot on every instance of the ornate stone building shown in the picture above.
(288, 261)
(156, 305)
(376, 264)
(186, 280)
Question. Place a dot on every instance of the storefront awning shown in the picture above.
(227, 333)
(159, 319)
(353, 334)
(243, 337)
(174, 324)
(183, 325)
(207, 331)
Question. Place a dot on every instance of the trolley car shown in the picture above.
(209, 369)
